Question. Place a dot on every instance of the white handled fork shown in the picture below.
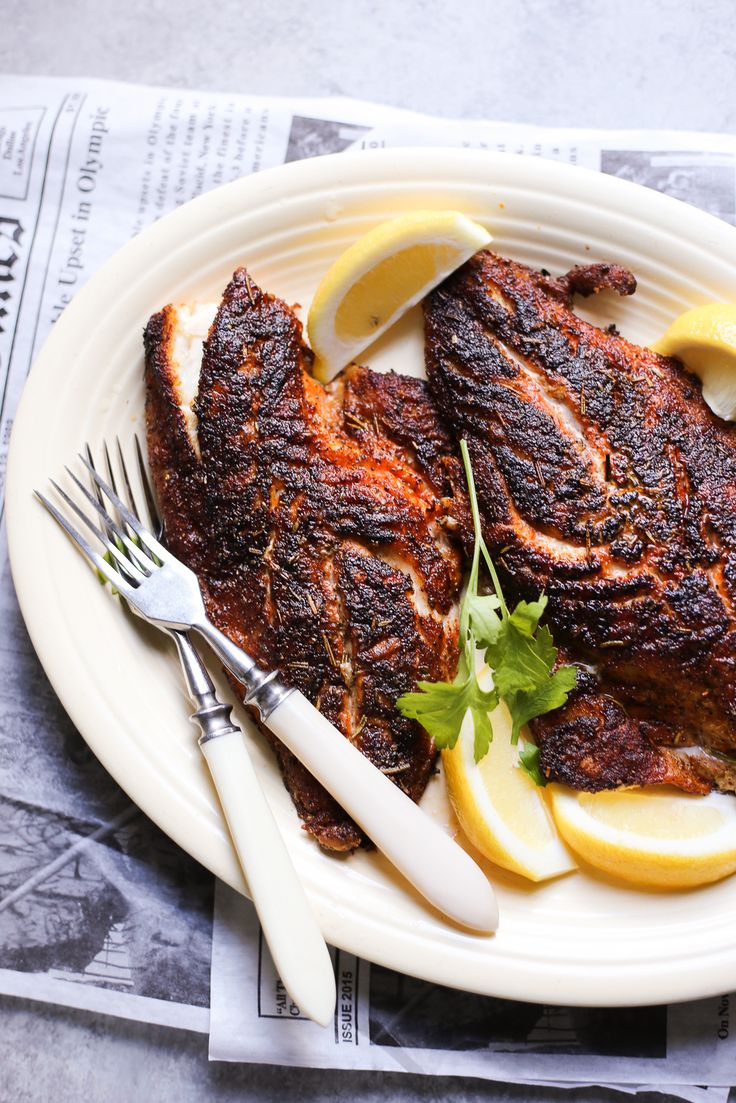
(165, 592)
(297, 947)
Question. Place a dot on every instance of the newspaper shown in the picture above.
(98, 909)
(391, 1022)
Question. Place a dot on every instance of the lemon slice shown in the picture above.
(652, 836)
(705, 340)
(380, 276)
(500, 809)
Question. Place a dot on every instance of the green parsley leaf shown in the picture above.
(516, 661)
(482, 732)
(527, 615)
(550, 694)
(545, 647)
(483, 618)
(440, 708)
(529, 763)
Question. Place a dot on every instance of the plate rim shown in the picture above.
(580, 990)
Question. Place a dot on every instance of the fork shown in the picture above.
(297, 947)
(165, 592)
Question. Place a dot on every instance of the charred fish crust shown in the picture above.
(610, 485)
(319, 546)
(382, 616)
(397, 407)
(592, 744)
(591, 279)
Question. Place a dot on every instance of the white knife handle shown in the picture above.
(294, 939)
(419, 848)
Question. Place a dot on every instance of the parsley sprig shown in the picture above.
(520, 653)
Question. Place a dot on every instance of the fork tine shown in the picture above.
(111, 478)
(108, 465)
(101, 564)
(95, 487)
(128, 566)
(130, 519)
(97, 492)
(153, 513)
(113, 530)
(130, 497)
(142, 561)
(130, 503)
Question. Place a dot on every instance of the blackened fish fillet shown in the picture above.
(605, 481)
(314, 521)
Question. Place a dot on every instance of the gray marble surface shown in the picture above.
(659, 63)
(53, 1054)
(635, 63)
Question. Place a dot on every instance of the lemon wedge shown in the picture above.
(652, 836)
(380, 276)
(705, 340)
(500, 809)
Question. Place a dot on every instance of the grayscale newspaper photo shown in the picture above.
(98, 908)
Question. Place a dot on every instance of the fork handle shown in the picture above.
(298, 949)
(434, 863)
(289, 926)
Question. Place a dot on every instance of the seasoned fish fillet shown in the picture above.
(314, 522)
(605, 481)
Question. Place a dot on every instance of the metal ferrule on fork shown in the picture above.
(268, 692)
(212, 716)
(263, 689)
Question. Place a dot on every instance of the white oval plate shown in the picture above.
(579, 940)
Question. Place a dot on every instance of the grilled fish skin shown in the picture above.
(314, 525)
(605, 481)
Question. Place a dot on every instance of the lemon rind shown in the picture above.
(677, 862)
(491, 835)
(330, 351)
